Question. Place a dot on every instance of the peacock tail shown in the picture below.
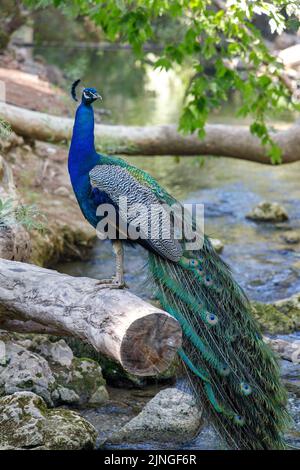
(233, 373)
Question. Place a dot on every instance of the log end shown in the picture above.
(150, 344)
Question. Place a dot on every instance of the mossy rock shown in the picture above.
(84, 377)
(27, 423)
(275, 320)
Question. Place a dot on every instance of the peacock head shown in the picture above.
(89, 95)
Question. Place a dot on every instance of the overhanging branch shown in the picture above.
(220, 140)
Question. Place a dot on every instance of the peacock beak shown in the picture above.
(97, 96)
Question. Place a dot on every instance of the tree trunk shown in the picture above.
(140, 336)
(13, 16)
(14, 239)
(220, 140)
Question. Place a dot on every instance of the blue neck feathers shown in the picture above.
(82, 155)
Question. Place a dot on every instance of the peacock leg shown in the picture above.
(117, 281)
(119, 252)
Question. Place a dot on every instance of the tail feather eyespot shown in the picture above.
(208, 280)
(224, 370)
(245, 388)
(211, 318)
(200, 269)
(239, 420)
(193, 263)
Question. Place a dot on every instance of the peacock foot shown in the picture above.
(113, 283)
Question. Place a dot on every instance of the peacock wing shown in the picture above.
(146, 216)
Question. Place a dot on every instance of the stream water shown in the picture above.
(263, 263)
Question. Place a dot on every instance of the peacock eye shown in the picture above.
(200, 269)
(224, 370)
(245, 388)
(239, 420)
(212, 319)
(208, 280)
(193, 263)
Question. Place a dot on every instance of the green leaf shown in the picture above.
(275, 154)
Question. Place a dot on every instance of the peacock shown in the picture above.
(232, 372)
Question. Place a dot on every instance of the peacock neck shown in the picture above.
(82, 156)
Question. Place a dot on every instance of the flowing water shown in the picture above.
(263, 263)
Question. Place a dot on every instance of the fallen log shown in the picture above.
(220, 140)
(140, 336)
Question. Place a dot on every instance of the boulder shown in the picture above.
(288, 350)
(217, 244)
(58, 352)
(268, 212)
(290, 307)
(26, 423)
(84, 377)
(66, 396)
(291, 237)
(21, 369)
(80, 380)
(172, 415)
(282, 316)
(49, 369)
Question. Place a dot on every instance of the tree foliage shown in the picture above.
(217, 32)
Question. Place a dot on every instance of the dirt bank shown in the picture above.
(40, 169)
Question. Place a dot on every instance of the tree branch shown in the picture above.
(220, 140)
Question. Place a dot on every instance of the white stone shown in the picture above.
(268, 212)
(172, 415)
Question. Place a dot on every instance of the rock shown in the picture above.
(99, 397)
(25, 370)
(290, 374)
(268, 212)
(67, 396)
(285, 40)
(58, 376)
(282, 316)
(290, 307)
(80, 380)
(26, 422)
(293, 386)
(291, 237)
(10, 140)
(85, 378)
(172, 415)
(57, 351)
(217, 244)
(288, 350)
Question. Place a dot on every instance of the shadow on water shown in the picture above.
(263, 263)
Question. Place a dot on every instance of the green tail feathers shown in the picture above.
(232, 371)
